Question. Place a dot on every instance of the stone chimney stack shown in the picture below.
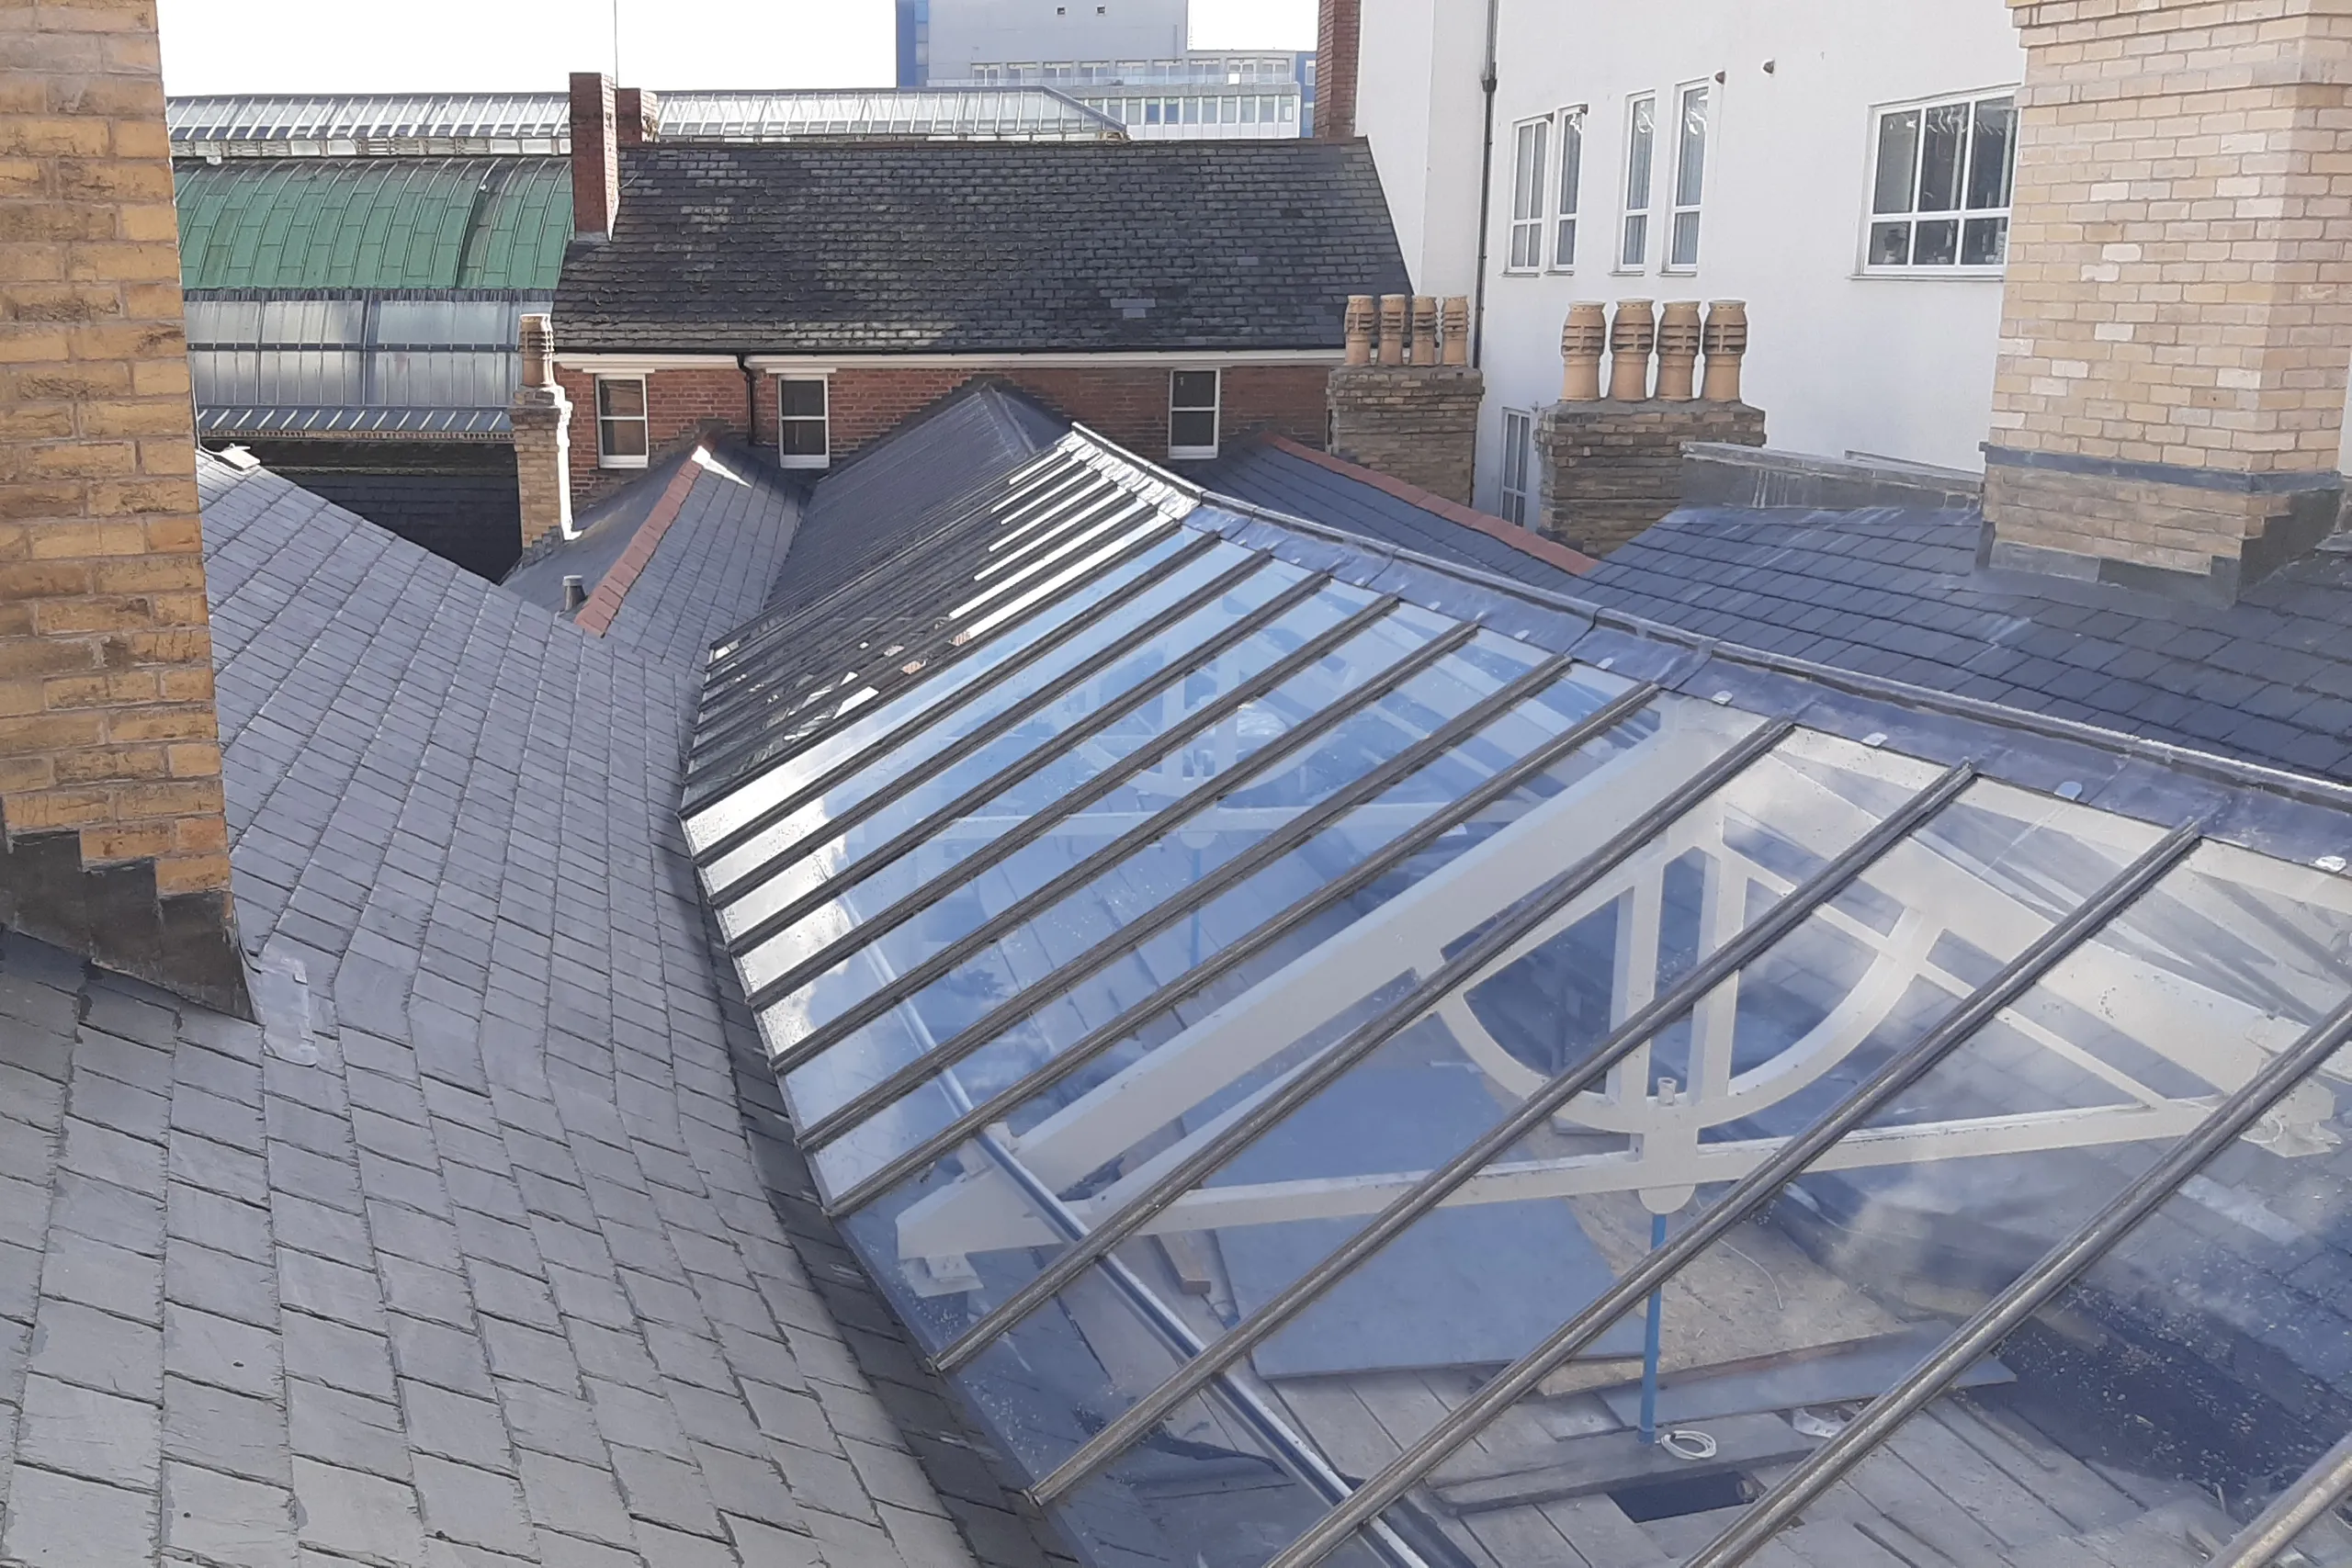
(2177, 313)
(542, 416)
(113, 838)
(596, 155)
(1339, 28)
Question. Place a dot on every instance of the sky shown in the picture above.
(320, 46)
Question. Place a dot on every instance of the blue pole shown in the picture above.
(1650, 1341)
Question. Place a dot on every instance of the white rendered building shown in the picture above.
(1842, 166)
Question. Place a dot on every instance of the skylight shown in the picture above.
(1340, 1060)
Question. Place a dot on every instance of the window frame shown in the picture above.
(1514, 502)
(642, 419)
(1962, 214)
(1681, 204)
(1214, 409)
(1629, 258)
(824, 422)
(1568, 185)
(1527, 215)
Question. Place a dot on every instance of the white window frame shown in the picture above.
(1965, 216)
(1531, 143)
(1641, 155)
(1683, 197)
(1214, 409)
(824, 420)
(1515, 481)
(642, 419)
(1567, 155)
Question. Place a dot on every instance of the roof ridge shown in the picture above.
(1525, 540)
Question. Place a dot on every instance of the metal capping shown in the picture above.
(1181, 810)
(745, 701)
(995, 725)
(969, 518)
(1466, 1420)
(1059, 744)
(2054, 1271)
(732, 734)
(1101, 1038)
(1525, 915)
(1440, 741)
(763, 750)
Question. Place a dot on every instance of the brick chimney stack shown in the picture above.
(113, 838)
(541, 417)
(637, 115)
(1339, 28)
(2169, 395)
(596, 155)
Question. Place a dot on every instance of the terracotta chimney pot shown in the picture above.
(1456, 311)
(1727, 342)
(1360, 318)
(1424, 329)
(1678, 350)
(1582, 337)
(1631, 338)
(1393, 310)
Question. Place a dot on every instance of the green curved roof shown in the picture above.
(498, 223)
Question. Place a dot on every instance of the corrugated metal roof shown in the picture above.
(373, 223)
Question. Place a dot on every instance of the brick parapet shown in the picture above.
(1609, 469)
(108, 739)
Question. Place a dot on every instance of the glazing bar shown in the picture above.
(2274, 1529)
(1168, 817)
(2004, 1314)
(1507, 1387)
(1521, 919)
(982, 734)
(1251, 861)
(1532, 1112)
(1042, 755)
(1097, 1040)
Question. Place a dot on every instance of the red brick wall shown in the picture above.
(679, 404)
(1339, 28)
(1129, 403)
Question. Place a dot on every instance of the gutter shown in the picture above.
(1487, 79)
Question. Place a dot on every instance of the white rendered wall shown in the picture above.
(1894, 367)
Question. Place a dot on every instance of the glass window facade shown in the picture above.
(1337, 1062)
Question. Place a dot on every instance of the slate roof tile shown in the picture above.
(970, 247)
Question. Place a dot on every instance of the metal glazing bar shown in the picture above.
(1167, 818)
(1521, 919)
(2004, 1314)
(1509, 1386)
(947, 756)
(1258, 856)
(1294, 1452)
(738, 723)
(1048, 750)
(753, 703)
(947, 571)
(1750, 943)
(2274, 1529)
(1098, 1039)
(945, 558)
(749, 638)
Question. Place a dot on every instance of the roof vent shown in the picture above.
(575, 592)
(239, 458)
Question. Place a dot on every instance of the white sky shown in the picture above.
(243, 46)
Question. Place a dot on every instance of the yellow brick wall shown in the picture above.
(106, 722)
(2179, 281)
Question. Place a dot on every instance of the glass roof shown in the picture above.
(229, 126)
(1337, 1058)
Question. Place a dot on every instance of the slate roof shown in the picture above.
(492, 1250)
(1278, 475)
(906, 247)
(1894, 593)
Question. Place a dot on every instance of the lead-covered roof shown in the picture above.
(1005, 247)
